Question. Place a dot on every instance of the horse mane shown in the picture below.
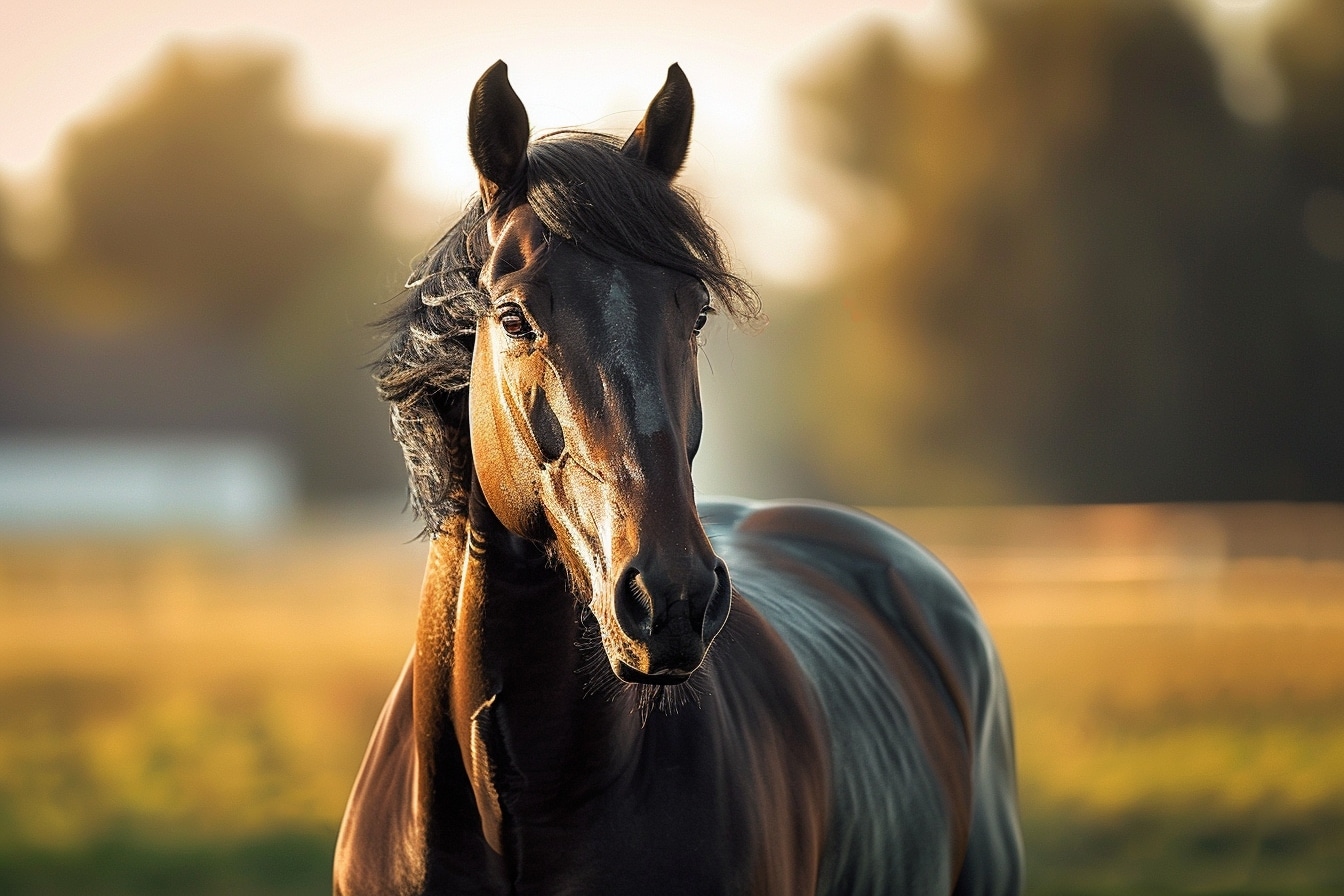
(585, 192)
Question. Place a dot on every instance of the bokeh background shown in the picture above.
(1057, 286)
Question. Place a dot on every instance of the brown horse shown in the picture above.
(592, 705)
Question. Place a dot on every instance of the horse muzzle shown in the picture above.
(667, 622)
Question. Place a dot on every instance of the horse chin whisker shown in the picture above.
(594, 667)
(668, 699)
(645, 699)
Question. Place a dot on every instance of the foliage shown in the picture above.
(207, 194)
(1071, 274)
(219, 259)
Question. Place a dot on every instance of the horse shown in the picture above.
(614, 689)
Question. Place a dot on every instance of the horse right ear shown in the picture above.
(497, 132)
(663, 136)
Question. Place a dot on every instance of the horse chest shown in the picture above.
(699, 806)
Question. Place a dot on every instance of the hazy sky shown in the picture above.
(404, 69)
(405, 66)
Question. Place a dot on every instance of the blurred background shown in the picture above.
(1057, 286)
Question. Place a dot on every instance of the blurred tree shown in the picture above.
(221, 256)
(1310, 53)
(8, 265)
(1072, 274)
(208, 195)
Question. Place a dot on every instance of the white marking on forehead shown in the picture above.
(621, 319)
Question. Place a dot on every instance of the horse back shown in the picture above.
(925, 791)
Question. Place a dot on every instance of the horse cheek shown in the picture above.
(504, 463)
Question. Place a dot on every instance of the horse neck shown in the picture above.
(498, 667)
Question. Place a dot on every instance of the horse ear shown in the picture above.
(662, 138)
(497, 132)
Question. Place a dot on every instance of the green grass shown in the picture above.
(1137, 852)
(1156, 851)
(187, 718)
(281, 863)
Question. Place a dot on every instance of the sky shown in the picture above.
(400, 66)
(403, 69)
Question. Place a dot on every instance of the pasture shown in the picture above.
(187, 715)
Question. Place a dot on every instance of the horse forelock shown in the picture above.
(584, 192)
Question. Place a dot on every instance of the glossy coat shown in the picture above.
(593, 706)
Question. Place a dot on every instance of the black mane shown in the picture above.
(585, 192)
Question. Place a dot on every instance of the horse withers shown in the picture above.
(614, 690)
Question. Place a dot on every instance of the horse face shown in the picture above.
(585, 416)
(584, 401)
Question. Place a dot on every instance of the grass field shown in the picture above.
(186, 716)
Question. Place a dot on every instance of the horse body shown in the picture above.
(562, 725)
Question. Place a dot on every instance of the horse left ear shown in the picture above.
(497, 132)
(662, 138)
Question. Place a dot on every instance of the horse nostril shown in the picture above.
(720, 602)
(634, 607)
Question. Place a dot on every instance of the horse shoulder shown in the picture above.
(774, 755)
(380, 848)
(913, 587)
(951, 668)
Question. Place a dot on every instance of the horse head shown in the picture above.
(584, 404)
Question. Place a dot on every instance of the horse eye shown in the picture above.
(703, 319)
(514, 324)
